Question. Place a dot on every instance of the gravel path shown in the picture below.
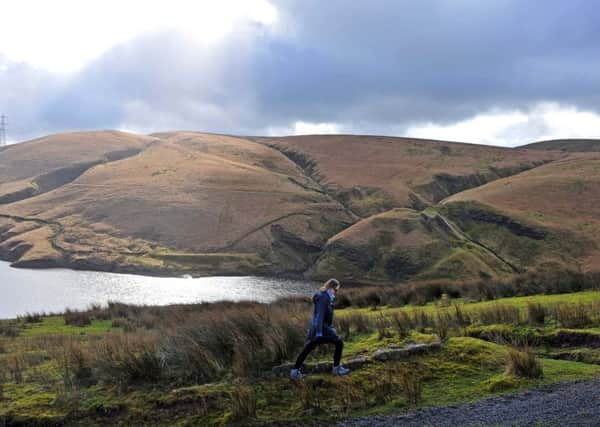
(562, 404)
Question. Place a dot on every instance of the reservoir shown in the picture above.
(54, 290)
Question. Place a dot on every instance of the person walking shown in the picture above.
(321, 330)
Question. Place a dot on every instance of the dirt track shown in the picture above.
(563, 404)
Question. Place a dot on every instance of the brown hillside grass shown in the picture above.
(563, 195)
(21, 164)
(314, 205)
(38, 156)
(378, 173)
(197, 194)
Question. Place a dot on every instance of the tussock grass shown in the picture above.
(77, 318)
(402, 323)
(419, 293)
(234, 344)
(243, 403)
(412, 384)
(9, 328)
(575, 315)
(32, 317)
(523, 363)
(310, 396)
(536, 313)
(499, 313)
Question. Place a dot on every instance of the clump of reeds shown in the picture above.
(411, 381)
(16, 367)
(523, 363)
(462, 319)
(343, 326)
(418, 293)
(77, 318)
(536, 313)
(125, 324)
(246, 340)
(573, 315)
(385, 385)
(310, 396)
(9, 328)
(348, 395)
(382, 323)
(402, 323)
(243, 403)
(31, 317)
(127, 359)
(421, 320)
(443, 324)
(360, 322)
(499, 313)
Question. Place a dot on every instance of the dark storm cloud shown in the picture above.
(371, 66)
(443, 60)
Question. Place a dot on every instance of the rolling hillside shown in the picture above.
(364, 208)
(38, 166)
(569, 145)
(562, 197)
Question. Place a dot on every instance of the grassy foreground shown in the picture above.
(209, 364)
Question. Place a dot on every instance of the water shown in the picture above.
(54, 290)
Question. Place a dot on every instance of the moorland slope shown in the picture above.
(365, 208)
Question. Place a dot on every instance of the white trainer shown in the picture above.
(295, 374)
(340, 370)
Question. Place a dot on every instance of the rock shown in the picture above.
(435, 346)
(417, 348)
(282, 370)
(357, 362)
(389, 353)
(383, 355)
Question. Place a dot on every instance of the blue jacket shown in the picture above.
(322, 319)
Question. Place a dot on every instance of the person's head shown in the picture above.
(331, 284)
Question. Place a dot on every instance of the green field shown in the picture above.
(104, 371)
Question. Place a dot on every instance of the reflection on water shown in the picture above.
(54, 290)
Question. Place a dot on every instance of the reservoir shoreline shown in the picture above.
(54, 290)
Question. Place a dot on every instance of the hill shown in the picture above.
(364, 208)
(40, 165)
(215, 203)
(561, 196)
(569, 145)
(371, 174)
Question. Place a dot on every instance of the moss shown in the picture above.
(466, 368)
(56, 325)
(586, 297)
(472, 351)
(502, 382)
(520, 242)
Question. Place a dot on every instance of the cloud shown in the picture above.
(64, 35)
(512, 128)
(501, 72)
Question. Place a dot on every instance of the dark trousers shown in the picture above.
(311, 344)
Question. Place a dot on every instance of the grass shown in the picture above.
(155, 369)
(521, 303)
(57, 325)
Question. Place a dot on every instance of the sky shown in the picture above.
(500, 72)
